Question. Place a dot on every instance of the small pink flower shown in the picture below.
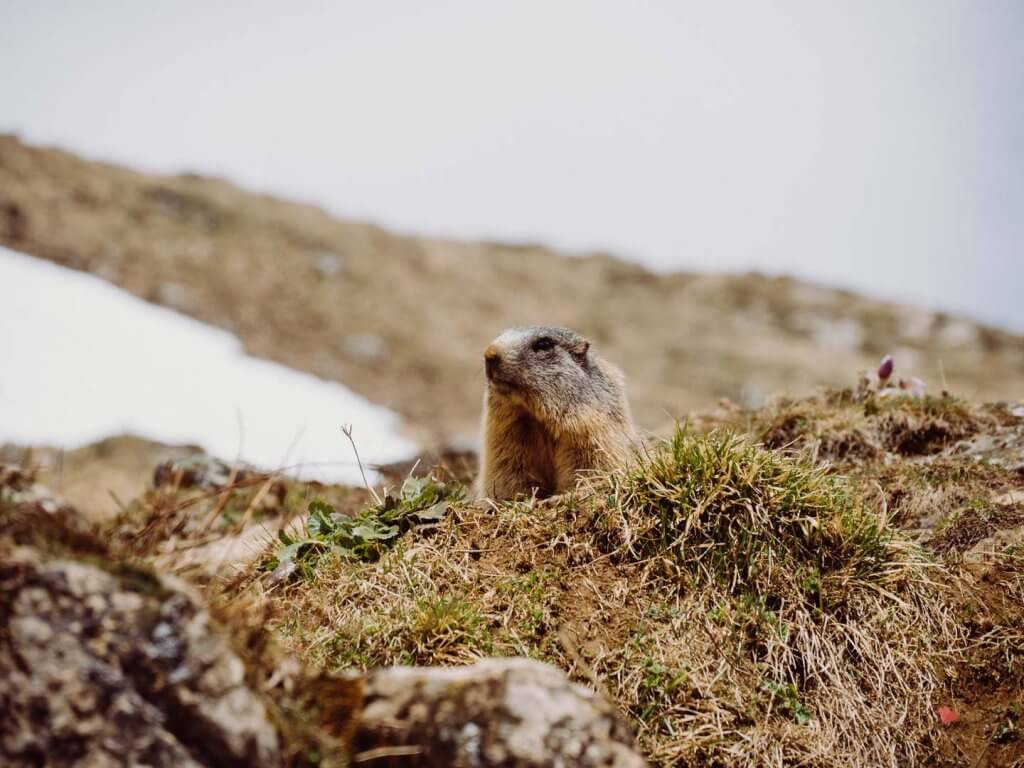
(914, 386)
(948, 715)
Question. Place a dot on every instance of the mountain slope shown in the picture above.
(402, 320)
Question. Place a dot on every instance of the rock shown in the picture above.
(30, 510)
(118, 668)
(328, 263)
(365, 346)
(512, 713)
(21, 488)
(174, 295)
(992, 547)
(1002, 446)
(842, 333)
(200, 471)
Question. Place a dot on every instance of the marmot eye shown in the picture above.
(543, 344)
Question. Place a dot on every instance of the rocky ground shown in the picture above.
(106, 661)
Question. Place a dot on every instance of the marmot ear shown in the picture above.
(579, 351)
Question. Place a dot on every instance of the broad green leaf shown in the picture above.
(322, 507)
(413, 487)
(368, 532)
(433, 513)
(289, 553)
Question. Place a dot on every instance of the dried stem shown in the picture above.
(347, 429)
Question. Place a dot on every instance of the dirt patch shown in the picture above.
(974, 524)
(986, 692)
(102, 478)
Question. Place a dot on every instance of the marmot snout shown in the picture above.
(551, 409)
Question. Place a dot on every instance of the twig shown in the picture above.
(249, 480)
(573, 652)
(256, 499)
(397, 751)
(942, 375)
(347, 429)
(120, 504)
(221, 502)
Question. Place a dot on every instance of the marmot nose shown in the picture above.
(492, 361)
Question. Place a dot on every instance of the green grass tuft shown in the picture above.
(720, 510)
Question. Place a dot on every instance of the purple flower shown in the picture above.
(885, 368)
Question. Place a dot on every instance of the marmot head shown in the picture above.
(549, 372)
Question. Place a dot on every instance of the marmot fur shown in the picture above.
(551, 409)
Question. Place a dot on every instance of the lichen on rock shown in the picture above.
(514, 713)
(111, 668)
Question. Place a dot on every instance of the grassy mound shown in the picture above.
(742, 606)
(848, 426)
(812, 597)
(806, 583)
(726, 511)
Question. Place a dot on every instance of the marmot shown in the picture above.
(551, 409)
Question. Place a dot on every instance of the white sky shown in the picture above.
(91, 360)
(871, 144)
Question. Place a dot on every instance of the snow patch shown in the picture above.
(81, 359)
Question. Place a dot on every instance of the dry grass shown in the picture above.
(853, 427)
(743, 607)
(824, 606)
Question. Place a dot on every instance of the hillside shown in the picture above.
(833, 580)
(401, 320)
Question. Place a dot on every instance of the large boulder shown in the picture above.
(512, 713)
(118, 667)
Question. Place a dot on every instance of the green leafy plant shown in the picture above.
(787, 698)
(366, 535)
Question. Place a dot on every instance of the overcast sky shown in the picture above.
(870, 144)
